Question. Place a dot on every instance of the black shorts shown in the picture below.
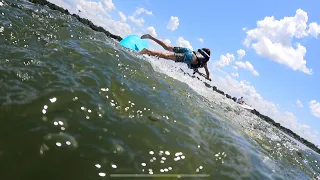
(183, 55)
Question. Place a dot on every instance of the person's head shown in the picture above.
(207, 50)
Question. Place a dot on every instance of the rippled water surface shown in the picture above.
(75, 105)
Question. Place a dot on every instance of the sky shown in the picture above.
(266, 52)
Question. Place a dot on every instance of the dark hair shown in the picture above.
(207, 50)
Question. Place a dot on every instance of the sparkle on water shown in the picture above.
(102, 174)
(52, 100)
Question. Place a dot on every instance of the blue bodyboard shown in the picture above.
(134, 42)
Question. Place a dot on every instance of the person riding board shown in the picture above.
(193, 59)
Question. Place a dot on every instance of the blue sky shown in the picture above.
(273, 79)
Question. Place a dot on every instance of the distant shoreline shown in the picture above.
(82, 20)
(265, 118)
(214, 88)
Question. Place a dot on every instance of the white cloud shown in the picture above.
(152, 31)
(173, 23)
(167, 41)
(201, 40)
(235, 74)
(241, 53)
(91, 7)
(235, 67)
(247, 65)
(224, 60)
(142, 11)
(183, 43)
(315, 108)
(252, 97)
(97, 13)
(244, 29)
(61, 3)
(156, 47)
(314, 29)
(139, 21)
(299, 103)
(273, 39)
(122, 16)
(109, 4)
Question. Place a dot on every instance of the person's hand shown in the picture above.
(208, 78)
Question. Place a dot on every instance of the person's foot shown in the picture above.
(146, 36)
(143, 51)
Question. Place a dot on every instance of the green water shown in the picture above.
(75, 105)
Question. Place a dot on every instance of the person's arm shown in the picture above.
(195, 71)
(207, 71)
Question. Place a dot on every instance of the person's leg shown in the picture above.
(169, 56)
(161, 43)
